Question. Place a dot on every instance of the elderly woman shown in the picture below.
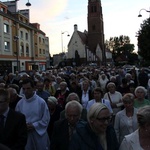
(129, 79)
(126, 120)
(140, 139)
(114, 97)
(55, 110)
(103, 81)
(61, 94)
(98, 98)
(97, 133)
(140, 101)
(73, 96)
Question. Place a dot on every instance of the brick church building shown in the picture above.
(88, 46)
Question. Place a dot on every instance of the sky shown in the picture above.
(57, 16)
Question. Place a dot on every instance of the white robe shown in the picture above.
(36, 111)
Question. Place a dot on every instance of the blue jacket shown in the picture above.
(85, 139)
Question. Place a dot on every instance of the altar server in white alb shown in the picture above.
(37, 117)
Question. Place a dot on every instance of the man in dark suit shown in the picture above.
(63, 129)
(13, 130)
(15, 97)
(3, 147)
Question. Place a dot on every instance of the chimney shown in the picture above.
(75, 27)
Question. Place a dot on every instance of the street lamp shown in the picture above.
(16, 38)
(62, 38)
(141, 10)
(28, 4)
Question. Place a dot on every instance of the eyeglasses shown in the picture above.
(104, 119)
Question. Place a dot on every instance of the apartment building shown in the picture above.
(23, 46)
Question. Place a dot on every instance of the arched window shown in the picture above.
(21, 49)
(27, 50)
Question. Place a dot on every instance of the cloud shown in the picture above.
(54, 16)
(45, 10)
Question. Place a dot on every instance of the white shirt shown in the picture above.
(115, 98)
(103, 101)
(85, 99)
(131, 142)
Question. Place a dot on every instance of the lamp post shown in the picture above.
(16, 38)
(28, 4)
(62, 39)
(137, 34)
(141, 10)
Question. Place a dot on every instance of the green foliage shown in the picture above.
(133, 59)
(144, 40)
(120, 46)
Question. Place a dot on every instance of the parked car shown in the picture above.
(28, 72)
(23, 73)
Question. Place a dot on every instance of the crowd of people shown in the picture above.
(75, 109)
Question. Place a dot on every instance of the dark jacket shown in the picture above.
(15, 131)
(43, 94)
(60, 135)
(54, 117)
(143, 79)
(3, 147)
(13, 104)
(86, 139)
(61, 98)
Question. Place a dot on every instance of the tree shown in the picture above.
(144, 40)
(120, 46)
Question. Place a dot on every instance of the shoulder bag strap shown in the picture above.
(109, 97)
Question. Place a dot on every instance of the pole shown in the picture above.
(17, 55)
(17, 52)
(62, 40)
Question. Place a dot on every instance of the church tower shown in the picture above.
(95, 27)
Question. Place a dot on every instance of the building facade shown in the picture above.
(23, 46)
(95, 25)
(88, 46)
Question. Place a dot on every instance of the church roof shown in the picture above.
(83, 37)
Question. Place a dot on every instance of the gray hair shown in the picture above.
(95, 110)
(72, 94)
(2, 85)
(111, 83)
(12, 90)
(52, 99)
(112, 77)
(63, 83)
(74, 104)
(128, 75)
(128, 97)
(140, 88)
(143, 116)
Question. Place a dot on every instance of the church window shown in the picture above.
(93, 9)
(93, 27)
